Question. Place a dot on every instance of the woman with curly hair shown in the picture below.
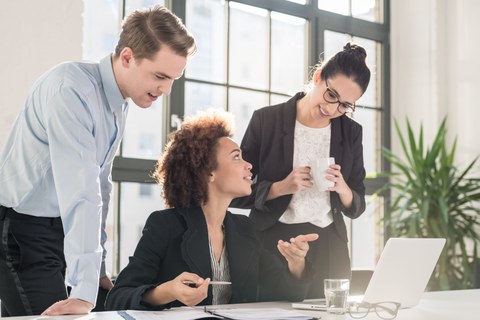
(197, 240)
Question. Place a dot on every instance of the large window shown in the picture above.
(240, 68)
(250, 54)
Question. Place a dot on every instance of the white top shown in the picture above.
(309, 205)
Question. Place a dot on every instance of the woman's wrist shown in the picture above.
(159, 295)
(347, 199)
(296, 268)
(274, 191)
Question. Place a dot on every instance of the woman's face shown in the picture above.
(232, 177)
(330, 98)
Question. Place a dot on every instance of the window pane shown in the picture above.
(334, 42)
(143, 136)
(206, 20)
(336, 6)
(288, 44)
(199, 96)
(248, 64)
(100, 28)
(131, 5)
(371, 97)
(242, 103)
(367, 235)
(369, 10)
(135, 207)
(277, 98)
(371, 124)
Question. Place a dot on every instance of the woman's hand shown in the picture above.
(297, 180)
(340, 186)
(176, 289)
(295, 252)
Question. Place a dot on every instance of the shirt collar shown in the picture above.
(112, 92)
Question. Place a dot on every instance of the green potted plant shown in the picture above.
(431, 197)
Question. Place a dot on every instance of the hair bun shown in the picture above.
(358, 51)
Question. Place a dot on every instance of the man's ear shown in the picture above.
(126, 56)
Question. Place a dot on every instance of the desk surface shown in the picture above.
(440, 305)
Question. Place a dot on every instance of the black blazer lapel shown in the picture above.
(336, 140)
(242, 253)
(289, 118)
(195, 249)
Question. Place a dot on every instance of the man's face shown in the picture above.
(147, 79)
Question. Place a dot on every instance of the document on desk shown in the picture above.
(229, 313)
(169, 314)
(259, 314)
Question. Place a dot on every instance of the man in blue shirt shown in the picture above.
(55, 169)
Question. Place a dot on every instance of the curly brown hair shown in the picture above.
(190, 157)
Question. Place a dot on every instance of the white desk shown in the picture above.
(441, 305)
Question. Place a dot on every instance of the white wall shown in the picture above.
(36, 35)
(463, 70)
(435, 67)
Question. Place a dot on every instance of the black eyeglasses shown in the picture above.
(385, 310)
(332, 97)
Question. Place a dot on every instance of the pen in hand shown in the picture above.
(194, 285)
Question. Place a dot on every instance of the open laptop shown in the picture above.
(401, 274)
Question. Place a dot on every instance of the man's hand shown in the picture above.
(68, 306)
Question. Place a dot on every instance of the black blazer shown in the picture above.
(268, 146)
(176, 240)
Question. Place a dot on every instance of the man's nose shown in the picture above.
(167, 88)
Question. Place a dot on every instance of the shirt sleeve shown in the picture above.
(106, 190)
(70, 127)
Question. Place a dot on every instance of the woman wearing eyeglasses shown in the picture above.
(281, 143)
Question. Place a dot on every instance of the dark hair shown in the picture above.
(146, 30)
(190, 157)
(349, 62)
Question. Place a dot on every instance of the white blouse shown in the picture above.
(309, 205)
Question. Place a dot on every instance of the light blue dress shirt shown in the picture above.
(58, 158)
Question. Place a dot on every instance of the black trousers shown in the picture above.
(32, 263)
(328, 255)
